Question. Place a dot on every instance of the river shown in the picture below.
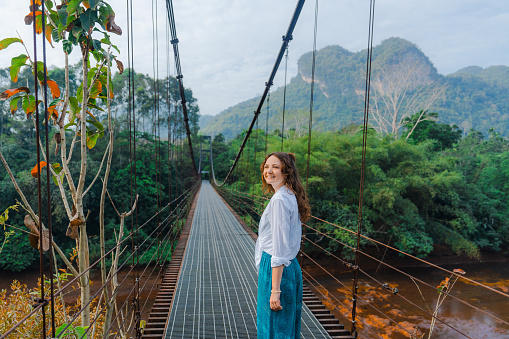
(410, 319)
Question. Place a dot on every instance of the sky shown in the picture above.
(228, 47)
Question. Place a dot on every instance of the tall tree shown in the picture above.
(399, 90)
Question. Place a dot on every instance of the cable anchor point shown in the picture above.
(288, 38)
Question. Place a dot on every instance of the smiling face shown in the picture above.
(272, 172)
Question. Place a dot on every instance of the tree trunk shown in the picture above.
(83, 250)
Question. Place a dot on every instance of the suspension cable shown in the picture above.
(267, 123)
(363, 161)
(174, 42)
(48, 188)
(286, 39)
(284, 102)
(42, 299)
(311, 100)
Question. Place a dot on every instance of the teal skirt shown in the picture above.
(283, 324)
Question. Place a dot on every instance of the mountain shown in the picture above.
(472, 97)
(204, 120)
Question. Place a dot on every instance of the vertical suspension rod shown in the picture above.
(174, 42)
(355, 286)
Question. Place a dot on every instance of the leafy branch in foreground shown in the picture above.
(75, 24)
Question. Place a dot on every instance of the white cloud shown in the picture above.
(228, 47)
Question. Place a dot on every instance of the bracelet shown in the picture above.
(275, 291)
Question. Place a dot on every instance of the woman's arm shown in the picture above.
(277, 273)
(280, 223)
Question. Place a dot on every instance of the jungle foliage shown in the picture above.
(17, 141)
(435, 188)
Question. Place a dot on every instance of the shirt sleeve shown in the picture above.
(280, 223)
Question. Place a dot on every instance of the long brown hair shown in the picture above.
(292, 181)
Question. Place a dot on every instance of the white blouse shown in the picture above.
(279, 232)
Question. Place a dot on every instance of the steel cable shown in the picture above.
(284, 102)
(337, 300)
(48, 190)
(39, 192)
(142, 274)
(286, 39)
(133, 268)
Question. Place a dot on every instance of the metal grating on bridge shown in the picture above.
(217, 286)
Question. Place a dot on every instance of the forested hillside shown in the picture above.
(435, 189)
(402, 77)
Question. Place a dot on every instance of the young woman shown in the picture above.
(279, 238)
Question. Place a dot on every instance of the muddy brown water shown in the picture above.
(406, 319)
(409, 318)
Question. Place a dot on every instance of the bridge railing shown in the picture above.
(321, 264)
(138, 259)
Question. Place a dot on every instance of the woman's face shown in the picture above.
(272, 172)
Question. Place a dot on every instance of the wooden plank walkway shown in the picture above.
(217, 286)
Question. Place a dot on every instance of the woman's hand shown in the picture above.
(275, 304)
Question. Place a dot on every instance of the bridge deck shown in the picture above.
(217, 286)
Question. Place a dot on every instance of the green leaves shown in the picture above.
(74, 109)
(99, 126)
(62, 15)
(67, 46)
(93, 3)
(96, 89)
(71, 329)
(72, 6)
(58, 171)
(16, 64)
(14, 104)
(8, 41)
(5, 215)
(91, 139)
(28, 104)
(88, 19)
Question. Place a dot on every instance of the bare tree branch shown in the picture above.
(100, 167)
(402, 89)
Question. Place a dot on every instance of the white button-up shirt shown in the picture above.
(279, 232)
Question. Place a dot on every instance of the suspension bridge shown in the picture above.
(203, 282)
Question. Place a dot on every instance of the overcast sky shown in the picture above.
(228, 47)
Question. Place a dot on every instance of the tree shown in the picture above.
(400, 89)
(444, 135)
(76, 108)
(299, 121)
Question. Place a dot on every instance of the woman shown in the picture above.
(279, 237)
